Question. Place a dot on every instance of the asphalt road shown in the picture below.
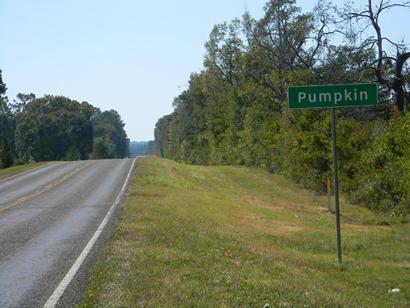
(47, 217)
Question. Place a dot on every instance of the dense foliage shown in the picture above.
(110, 139)
(235, 110)
(57, 128)
(7, 125)
(54, 128)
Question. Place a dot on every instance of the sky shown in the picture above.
(133, 56)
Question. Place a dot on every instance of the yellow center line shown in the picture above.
(46, 188)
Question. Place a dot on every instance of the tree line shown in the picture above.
(235, 110)
(57, 128)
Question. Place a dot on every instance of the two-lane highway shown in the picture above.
(47, 218)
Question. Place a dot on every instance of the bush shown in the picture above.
(103, 148)
(383, 181)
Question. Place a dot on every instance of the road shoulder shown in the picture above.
(17, 170)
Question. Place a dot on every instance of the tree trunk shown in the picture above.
(398, 89)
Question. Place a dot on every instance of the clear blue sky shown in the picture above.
(129, 55)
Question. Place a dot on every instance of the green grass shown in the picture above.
(5, 173)
(234, 236)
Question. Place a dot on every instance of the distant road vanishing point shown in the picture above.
(50, 219)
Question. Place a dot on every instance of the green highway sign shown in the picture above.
(332, 96)
(325, 96)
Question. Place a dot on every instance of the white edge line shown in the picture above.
(59, 291)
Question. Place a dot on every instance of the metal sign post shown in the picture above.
(334, 96)
(336, 188)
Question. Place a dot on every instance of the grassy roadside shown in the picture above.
(233, 236)
(5, 173)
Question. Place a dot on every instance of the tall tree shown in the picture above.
(390, 68)
(283, 41)
(6, 128)
(161, 134)
(224, 51)
(110, 138)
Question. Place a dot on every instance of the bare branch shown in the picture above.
(389, 6)
(401, 60)
(399, 47)
(383, 58)
(358, 15)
